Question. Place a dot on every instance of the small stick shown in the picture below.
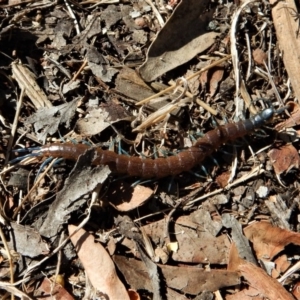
(14, 126)
(33, 188)
(167, 90)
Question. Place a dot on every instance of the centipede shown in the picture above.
(163, 167)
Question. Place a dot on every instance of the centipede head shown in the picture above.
(267, 114)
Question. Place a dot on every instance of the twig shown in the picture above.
(80, 69)
(73, 17)
(14, 125)
(33, 188)
(156, 12)
(234, 52)
(169, 89)
(11, 267)
(200, 102)
(249, 57)
(17, 4)
(254, 172)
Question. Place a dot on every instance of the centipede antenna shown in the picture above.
(281, 110)
(18, 159)
(21, 150)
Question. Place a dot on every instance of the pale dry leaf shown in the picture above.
(189, 21)
(100, 118)
(286, 31)
(130, 84)
(27, 80)
(99, 65)
(97, 264)
(47, 120)
(27, 241)
(238, 237)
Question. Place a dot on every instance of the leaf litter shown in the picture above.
(147, 79)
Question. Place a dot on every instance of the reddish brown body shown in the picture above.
(162, 167)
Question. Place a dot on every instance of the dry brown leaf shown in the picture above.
(191, 280)
(259, 56)
(216, 75)
(125, 198)
(50, 290)
(268, 240)
(233, 260)
(260, 282)
(98, 265)
(205, 247)
(296, 290)
(281, 265)
(222, 179)
(293, 120)
(130, 84)
(284, 158)
(246, 294)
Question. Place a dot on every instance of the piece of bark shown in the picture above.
(289, 43)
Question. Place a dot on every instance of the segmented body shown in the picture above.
(162, 167)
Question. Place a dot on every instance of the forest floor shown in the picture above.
(150, 149)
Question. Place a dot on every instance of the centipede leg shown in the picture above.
(18, 159)
(45, 163)
(139, 182)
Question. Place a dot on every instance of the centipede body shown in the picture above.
(162, 167)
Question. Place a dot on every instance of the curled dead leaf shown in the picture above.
(284, 158)
(269, 240)
(294, 118)
(259, 56)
